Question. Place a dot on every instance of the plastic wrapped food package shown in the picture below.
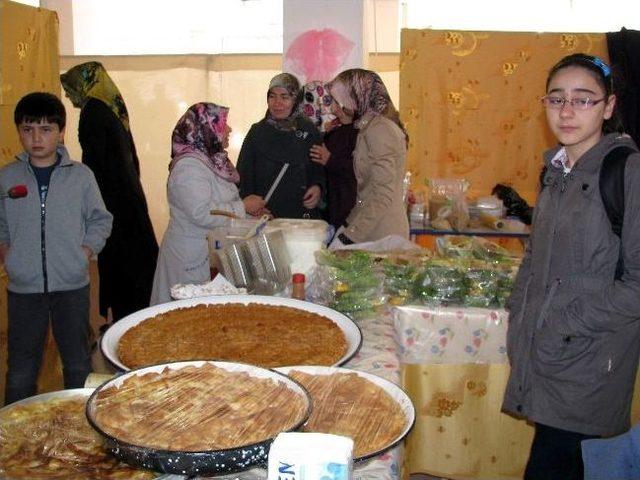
(447, 204)
(351, 284)
(468, 271)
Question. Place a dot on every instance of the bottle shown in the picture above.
(297, 286)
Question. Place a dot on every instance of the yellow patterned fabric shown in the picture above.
(471, 103)
(29, 62)
(460, 432)
(455, 405)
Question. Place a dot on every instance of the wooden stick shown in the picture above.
(223, 213)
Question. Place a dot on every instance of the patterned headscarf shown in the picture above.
(91, 80)
(316, 105)
(199, 134)
(363, 91)
(291, 84)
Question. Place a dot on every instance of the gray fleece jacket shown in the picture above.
(45, 249)
(574, 330)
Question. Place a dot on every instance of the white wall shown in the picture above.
(157, 90)
(151, 27)
(522, 16)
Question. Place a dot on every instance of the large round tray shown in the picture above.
(45, 397)
(199, 463)
(396, 393)
(111, 338)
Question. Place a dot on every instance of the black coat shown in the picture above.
(265, 150)
(342, 186)
(128, 261)
(624, 52)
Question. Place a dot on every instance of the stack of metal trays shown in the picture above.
(235, 266)
(269, 262)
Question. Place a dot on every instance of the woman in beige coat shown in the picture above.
(378, 159)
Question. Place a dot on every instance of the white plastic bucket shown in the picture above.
(303, 237)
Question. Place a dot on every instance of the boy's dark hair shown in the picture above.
(37, 106)
(602, 73)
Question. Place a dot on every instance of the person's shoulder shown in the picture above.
(615, 143)
(380, 122)
(10, 167)
(382, 128)
(189, 162)
(256, 128)
(96, 110)
(80, 171)
(94, 104)
(632, 165)
(188, 166)
(260, 124)
(305, 124)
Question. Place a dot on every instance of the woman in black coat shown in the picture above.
(283, 137)
(128, 261)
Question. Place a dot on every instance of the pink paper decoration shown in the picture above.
(318, 54)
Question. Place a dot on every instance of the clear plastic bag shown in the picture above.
(440, 284)
(347, 281)
(447, 203)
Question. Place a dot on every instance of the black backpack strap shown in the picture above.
(612, 192)
(543, 173)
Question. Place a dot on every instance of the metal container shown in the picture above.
(268, 258)
(190, 463)
(235, 266)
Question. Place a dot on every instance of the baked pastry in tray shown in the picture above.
(263, 331)
(48, 436)
(196, 418)
(374, 412)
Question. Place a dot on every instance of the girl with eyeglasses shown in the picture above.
(574, 314)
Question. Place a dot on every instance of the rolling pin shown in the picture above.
(492, 222)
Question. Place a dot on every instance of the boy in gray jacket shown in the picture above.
(52, 220)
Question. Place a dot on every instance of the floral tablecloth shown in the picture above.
(455, 370)
(437, 335)
(377, 355)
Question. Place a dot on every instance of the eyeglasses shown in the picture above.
(578, 103)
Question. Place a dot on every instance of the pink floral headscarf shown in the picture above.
(361, 91)
(316, 105)
(199, 134)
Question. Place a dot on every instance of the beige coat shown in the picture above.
(379, 165)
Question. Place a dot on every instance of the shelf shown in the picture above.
(477, 232)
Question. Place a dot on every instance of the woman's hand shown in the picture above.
(254, 204)
(320, 154)
(311, 197)
(261, 212)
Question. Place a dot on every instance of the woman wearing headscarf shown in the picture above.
(336, 152)
(201, 179)
(283, 137)
(378, 159)
(128, 260)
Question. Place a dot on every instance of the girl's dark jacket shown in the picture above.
(574, 332)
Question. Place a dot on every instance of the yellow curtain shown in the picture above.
(470, 101)
(29, 62)
(460, 432)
